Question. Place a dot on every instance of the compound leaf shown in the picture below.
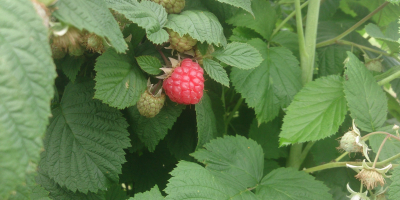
(27, 75)
(394, 188)
(119, 81)
(152, 130)
(237, 157)
(85, 140)
(288, 183)
(192, 181)
(244, 4)
(149, 64)
(200, 25)
(216, 71)
(366, 99)
(263, 20)
(271, 85)
(153, 194)
(316, 111)
(240, 55)
(206, 121)
(94, 16)
(147, 14)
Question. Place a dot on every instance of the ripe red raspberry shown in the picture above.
(186, 83)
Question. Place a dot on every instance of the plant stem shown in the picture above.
(341, 156)
(343, 164)
(389, 78)
(236, 108)
(366, 137)
(307, 54)
(379, 151)
(344, 42)
(351, 29)
(278, 28)
(305, 151)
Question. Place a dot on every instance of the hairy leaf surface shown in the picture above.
(27, 75)
(240, 55)
(200, 25)
(119, 80)
(271, 85)
(92, 15)
(85, 140)
(288, 183)
(366, 99)
(147, 14)
(216, 71)
(316, 112)
(263, 20)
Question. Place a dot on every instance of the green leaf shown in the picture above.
(394, 188)
(240, 55)
(116, 192)
(328, 9)
(93, 16)
(266, 134)
(271, 85)
(70, 65)
(192, 181)
(391, 147)
(288, 183)
(243, 34)
(27, 74)
(147, 14)
(337, 178)
(198, 24)
(206, 122)
(316, 111)
(237, 157)
(152, 130)
(287, 39)
(119, 81)
(59, 192)
(182, 138)
(366, 99)
(216, 71)
(30, 190)
(263, 21)
(331, 59)
(391, 40)
(153, 194)
(85, 140)
(149, 64)
(244, 4)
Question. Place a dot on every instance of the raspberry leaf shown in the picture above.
(147, 14)
(366, 99)
(152, 130)
(206, 121)
(240, 55)
(330, 59)
(326, 98)
(153, 194)
(394, 188)
(119, 80)
(236, 157)
(30, 190)
(198, 24)
(277, 80)
(391, 147)
(216, 71)
(263, 21)
(86, 135)
(391, 37)
(287, 182)
(58, 192)
(244, 4)
(149, 64)
(27, 75)
(94, 16)
(70, 65)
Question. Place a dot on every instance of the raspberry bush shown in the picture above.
(251, 99)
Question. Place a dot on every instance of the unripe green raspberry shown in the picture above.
(93, 43)
(75, 50)
(349, 142)
(181, 43)
(57, 53)
(374, 65)
(172, 6)
(150, 104)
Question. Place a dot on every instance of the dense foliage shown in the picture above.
(300, 99)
